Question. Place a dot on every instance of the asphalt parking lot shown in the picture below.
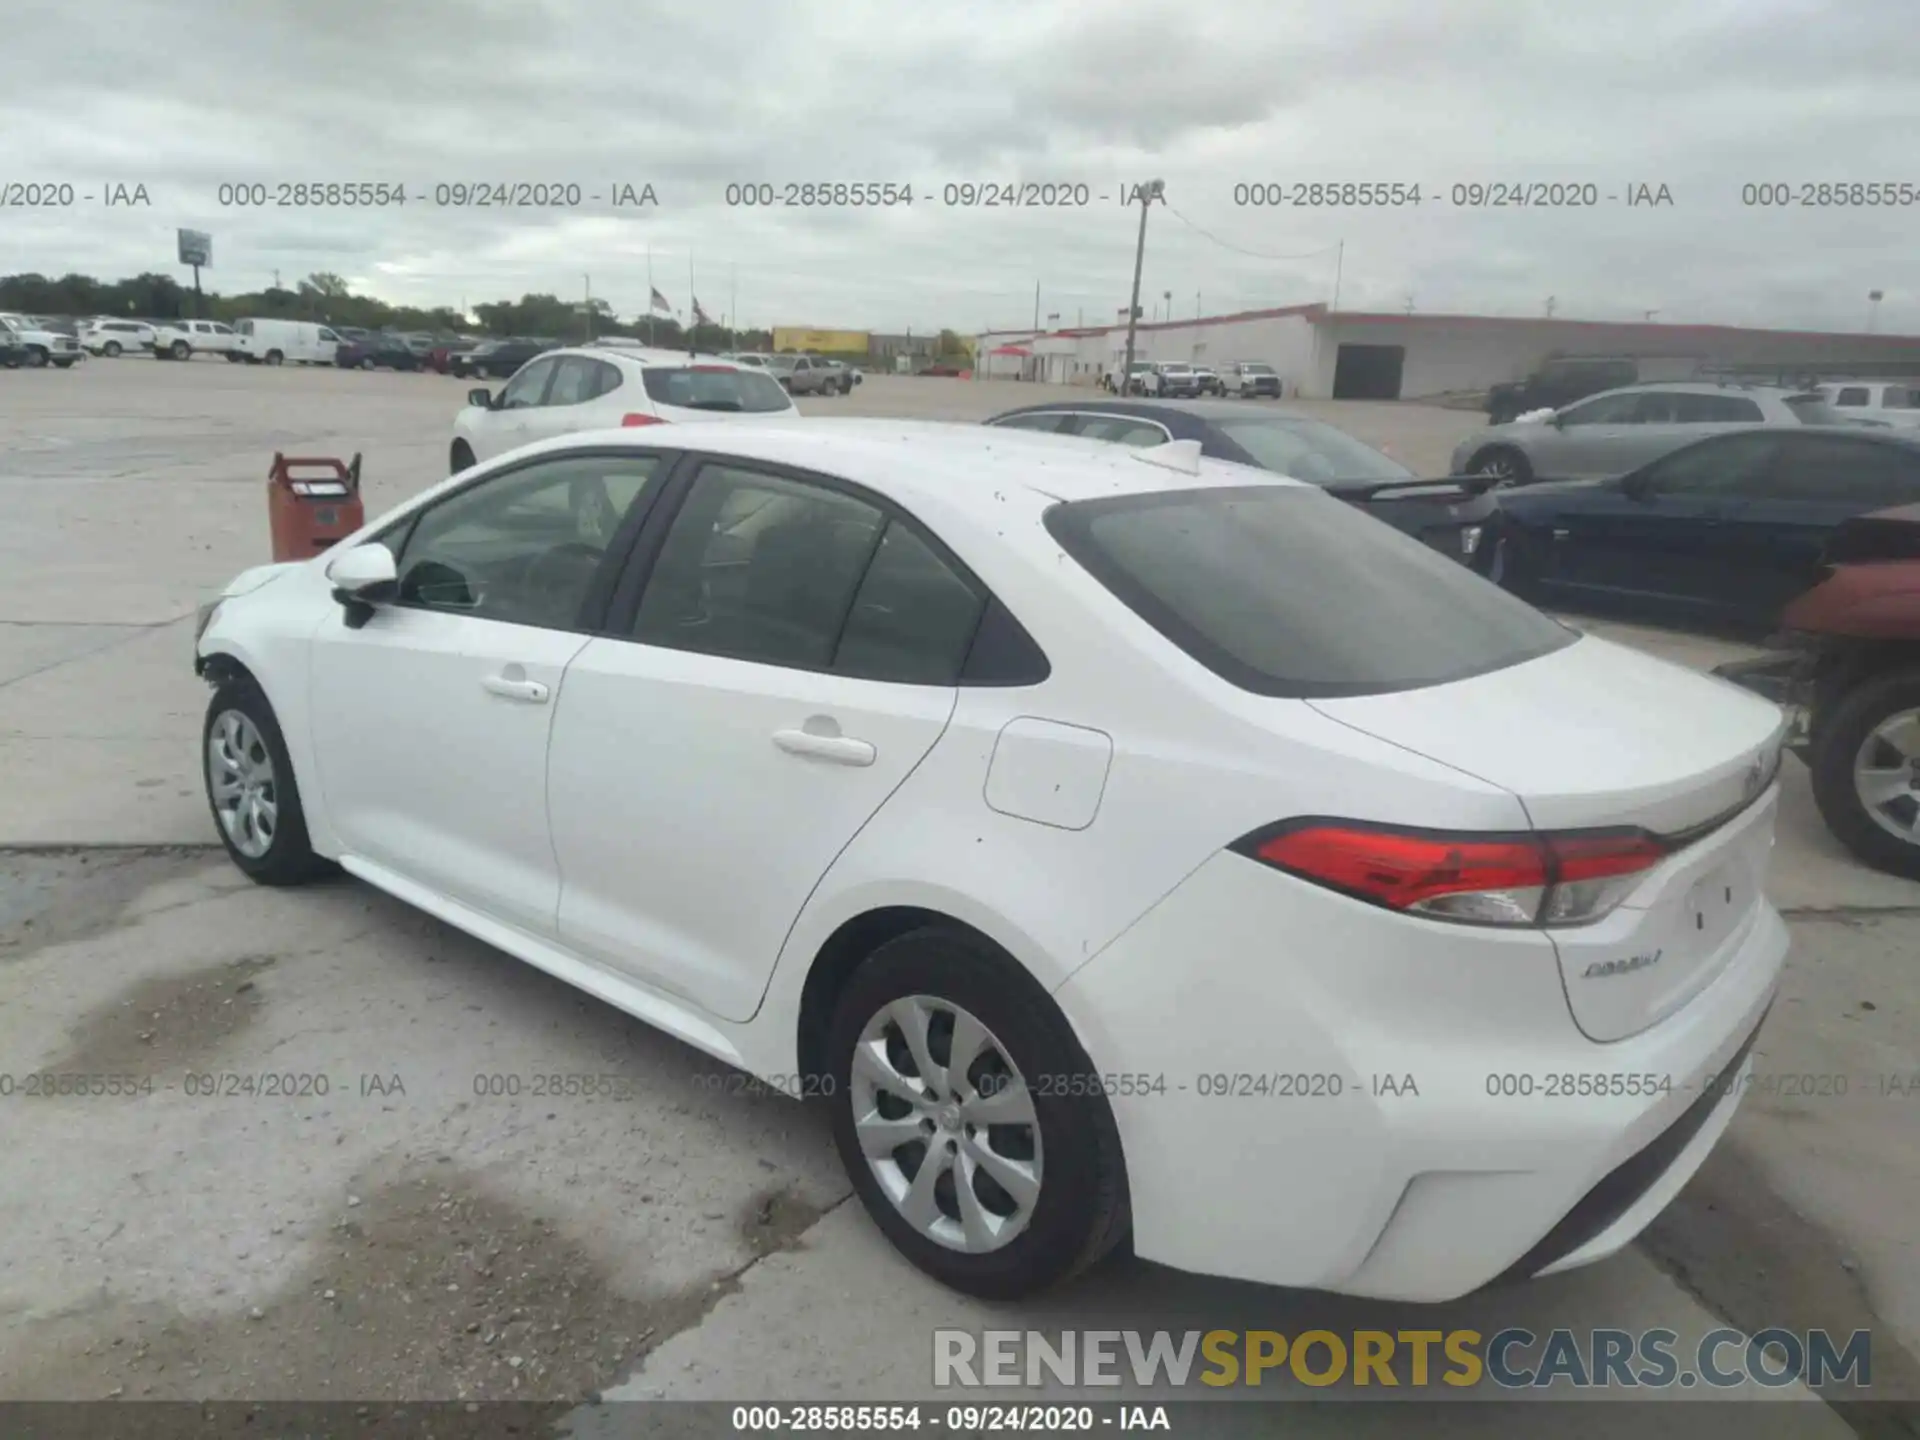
(407, 1233)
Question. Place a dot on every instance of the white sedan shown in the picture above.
(599, 387)
(1117, 840)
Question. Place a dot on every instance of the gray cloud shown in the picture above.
(1701, 95)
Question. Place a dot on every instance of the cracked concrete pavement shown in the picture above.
(331, 1165)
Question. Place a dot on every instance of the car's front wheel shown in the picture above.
(970, 1120)
(36, 357)
(1865, 765)
(180, 350)
(111, 350)
(1503, 463)
(250, 787)
(460, 457)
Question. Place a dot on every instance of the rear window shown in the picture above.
(1813, 409)
(1285, 591)
(1310, 451)
(731, 391)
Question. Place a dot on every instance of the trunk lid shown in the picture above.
(1598, 735)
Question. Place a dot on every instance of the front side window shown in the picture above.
(1283, 590)
(1606, 410)
(1048, 421)
(522, 547)
(574, 381)
(529, 387)
(1713, 467)
(758, 567)
(1851, 395)
(1696, 409)
(1308, 450)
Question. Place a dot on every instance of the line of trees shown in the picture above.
(328, 299)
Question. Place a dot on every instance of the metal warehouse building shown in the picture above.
(1322, 353)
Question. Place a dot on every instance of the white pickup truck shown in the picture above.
(44, 346)
(1895, 403)
(184, 339)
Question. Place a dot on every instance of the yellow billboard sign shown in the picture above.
(821, 342)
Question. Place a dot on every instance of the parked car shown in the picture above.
(803, 375)
(44, 346)
(379, 351)
(1135, 382)
(351, 334)
(1251, 380)
(1893, 403)
(1846, 663)
(1621, 430)
(590, 389)
(270, 341)
(113, 338)
(1172, 380)
(1727, 530)
(845, 375)
(1559, 382)
(1326, 801)
(1207, 381)
(1451, 515)
(497, 359)
(185, 339)
(748, 357)
(945, 369)
(13, 345)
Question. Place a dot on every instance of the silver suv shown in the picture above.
(803, 375)
(1621, 430)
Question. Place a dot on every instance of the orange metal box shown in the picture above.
(311, 504)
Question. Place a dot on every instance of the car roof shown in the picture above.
(1705, 387)
(641, 359)
(948, 465)
(1207, 410)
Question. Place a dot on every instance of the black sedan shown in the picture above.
(1726, 530)
(1449, 514)
(378, 352)
(499, 359)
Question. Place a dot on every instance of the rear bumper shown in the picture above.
(1409, 1110)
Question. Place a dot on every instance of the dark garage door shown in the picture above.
(1368, 372)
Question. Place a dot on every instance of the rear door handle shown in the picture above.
(838, 748)
(531, 691)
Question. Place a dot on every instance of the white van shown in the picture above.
(273, 342)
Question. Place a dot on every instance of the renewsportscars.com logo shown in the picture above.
(1509, 1359)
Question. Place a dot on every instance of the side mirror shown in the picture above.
(480, 398)
(363, 578)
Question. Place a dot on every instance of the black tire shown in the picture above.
(274, 357)
(36, 357)
(1486, 460)
(1837, 740)
(111, 350)
(1082, 1212)
(289, 859)
(180, 350)
(460, 457)
(63, 364)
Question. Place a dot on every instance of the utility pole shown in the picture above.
(1339, 263)
(587, 303)
(1196, 307)
(1146, 194)
(1873, 308)
(1550, 307)
(1036, 307)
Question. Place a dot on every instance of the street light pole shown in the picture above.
(1873, 308)
(1147, 193)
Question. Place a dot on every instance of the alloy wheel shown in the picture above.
(1886, 775)
(1497, 465)
(241, 781)
(946, 1123)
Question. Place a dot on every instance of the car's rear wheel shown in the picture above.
(274, 357)
(36, 357)
(251, 790)
(970, 1120)
(1865, 765)
(111, 349)
(460, 457)
(1504, 463)
(180, 350)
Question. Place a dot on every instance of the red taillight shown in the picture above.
(631, 420)
(1487, 880)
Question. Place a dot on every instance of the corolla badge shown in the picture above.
(1602, 969)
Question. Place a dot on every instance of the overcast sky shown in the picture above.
(1701, 96)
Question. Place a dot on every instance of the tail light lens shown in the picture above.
(627, 421)
(1522, 880)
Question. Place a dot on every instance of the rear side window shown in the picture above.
(1692, 409)
(1813, 409)
(1283, 590)
(913, 618)
(725, 390)
(1851, 395)
(1048, 421)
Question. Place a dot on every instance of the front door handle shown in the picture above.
(513, 688)
(840, 749)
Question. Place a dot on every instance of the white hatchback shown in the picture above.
(1118, 841)
(601, 387)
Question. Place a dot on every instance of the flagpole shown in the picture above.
(693, 315)
(649, 294)
(733, 304)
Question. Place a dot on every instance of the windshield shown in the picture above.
(701, 388)
(1285, 591)
(1256, 370)
(1813, 409)
(1308, 450)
